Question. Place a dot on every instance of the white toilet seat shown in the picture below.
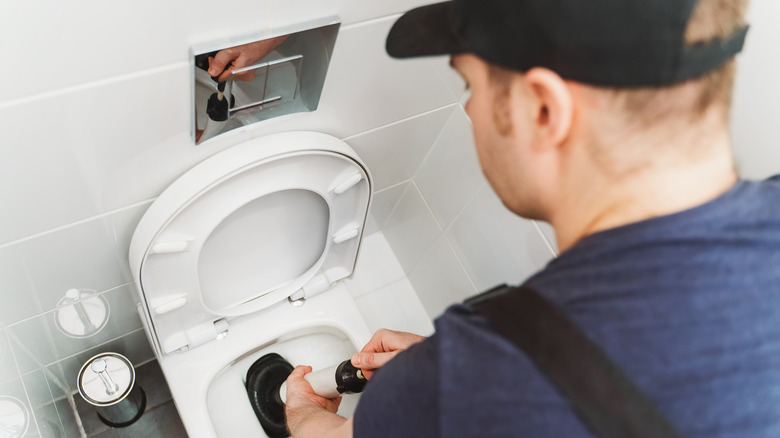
(276, 217)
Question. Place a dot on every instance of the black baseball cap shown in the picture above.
(619, 43)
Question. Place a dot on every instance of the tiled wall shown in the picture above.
(97, 124)
(756, 113)
(449, 231)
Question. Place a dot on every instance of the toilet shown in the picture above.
(242, 256)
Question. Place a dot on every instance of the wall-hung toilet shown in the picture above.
(243, 256)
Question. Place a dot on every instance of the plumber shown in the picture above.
(609, 120)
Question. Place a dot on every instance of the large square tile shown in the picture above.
(451, 174)
(8, 370)
(384, 202)
(395, 307)
(58, 334)
(395, 152)
(495, 245)
(36, 273)
(440, 279)
(105, 35)
(376, 266)
(411, 229)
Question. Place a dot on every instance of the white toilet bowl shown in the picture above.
(242, 256)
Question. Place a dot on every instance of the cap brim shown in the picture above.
(424, 31)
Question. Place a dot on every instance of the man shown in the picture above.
(609, 120)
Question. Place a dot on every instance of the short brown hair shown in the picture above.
(711, 20)
(644, 107)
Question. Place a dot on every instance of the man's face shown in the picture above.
(501, 141)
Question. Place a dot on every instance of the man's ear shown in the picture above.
(553, 106)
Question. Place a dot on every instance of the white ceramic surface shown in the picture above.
(495, 245)
(395, 307)
(8, 370)
(89, 169)
(440, 279)
(396, 151)
(385, 201)
(411, 229)
(450, 175)
(107, 37)
(376, 266)
(91, 255)
(190, 374)
(37, 342)
(755, 112)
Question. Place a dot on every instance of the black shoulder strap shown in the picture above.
(607, 401)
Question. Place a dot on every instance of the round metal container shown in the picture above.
(107, 381)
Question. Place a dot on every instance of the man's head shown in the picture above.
(598, 85)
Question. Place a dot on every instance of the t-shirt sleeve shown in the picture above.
(401, 399)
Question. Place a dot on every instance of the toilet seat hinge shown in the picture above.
(207, 332)
(315, 286)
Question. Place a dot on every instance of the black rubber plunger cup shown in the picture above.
(263, 380)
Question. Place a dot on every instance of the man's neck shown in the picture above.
(653, 192)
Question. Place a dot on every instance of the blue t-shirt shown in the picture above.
(687, 304)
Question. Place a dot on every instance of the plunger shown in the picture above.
(265, 384)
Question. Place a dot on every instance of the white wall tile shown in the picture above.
(119, 142)
(95, 153)
(411, 229)
(495, 245)
(754, 116)
(367, 89)
(92, 255)
(47, 418)
(394, 153)
(450, 76)
(440, 280)
(39, 341)
(549, 235)
(451, 175)
(385, 201)
(65, 44)
(395, 307)
(376, 266)
(8, 370)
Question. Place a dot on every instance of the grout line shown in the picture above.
(24, 386)
(406, 181)
(371, 21)
(544, 238)
(416, 264)
(398, 122)
(93, 84)
(435, 143)
(112, 289)
(468, 204)
(77, 223)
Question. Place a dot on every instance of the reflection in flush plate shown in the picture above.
(285, 76)
(14, 418)
(81, 313)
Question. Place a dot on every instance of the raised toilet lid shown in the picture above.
(274, 217)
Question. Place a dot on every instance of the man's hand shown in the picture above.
(308, 414)
(227, 60)
(383, 346)
(301, 395)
